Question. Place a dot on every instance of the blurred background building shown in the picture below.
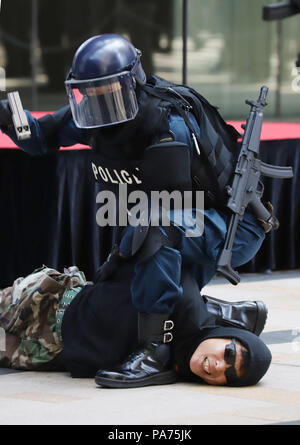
(231, 51)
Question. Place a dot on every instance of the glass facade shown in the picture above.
(231, 51)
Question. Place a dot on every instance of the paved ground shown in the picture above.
(55, 398)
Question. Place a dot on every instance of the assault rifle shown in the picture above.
(247, 188)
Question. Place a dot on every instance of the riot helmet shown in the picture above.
(101, 85)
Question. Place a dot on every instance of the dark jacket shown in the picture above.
(99, 328)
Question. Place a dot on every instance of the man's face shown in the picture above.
(210, 360)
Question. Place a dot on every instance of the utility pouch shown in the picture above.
(167, 166)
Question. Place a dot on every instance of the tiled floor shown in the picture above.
(55, 398)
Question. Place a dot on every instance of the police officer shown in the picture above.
(134, 131)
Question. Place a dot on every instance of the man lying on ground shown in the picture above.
(58, 322)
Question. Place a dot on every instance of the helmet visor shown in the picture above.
(103, 101)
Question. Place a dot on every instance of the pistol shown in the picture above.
(18, 116)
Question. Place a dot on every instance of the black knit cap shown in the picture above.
(259, 354)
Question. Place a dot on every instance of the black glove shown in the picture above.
(5, 114)
(112, 263)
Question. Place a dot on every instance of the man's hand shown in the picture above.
(5, 114)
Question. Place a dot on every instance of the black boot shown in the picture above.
(249, 315)
(151, 364)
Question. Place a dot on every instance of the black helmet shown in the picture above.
(101, 83)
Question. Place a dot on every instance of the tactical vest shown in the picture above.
(212, 163)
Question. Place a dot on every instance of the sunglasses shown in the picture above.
(229, 357)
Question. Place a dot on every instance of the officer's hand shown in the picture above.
(112, 263)
(5, 114)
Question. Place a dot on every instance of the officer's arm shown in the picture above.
(48, 133)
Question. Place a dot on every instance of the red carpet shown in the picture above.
(270, 131)
(274, 130)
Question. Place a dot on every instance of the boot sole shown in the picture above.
(163, 378)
